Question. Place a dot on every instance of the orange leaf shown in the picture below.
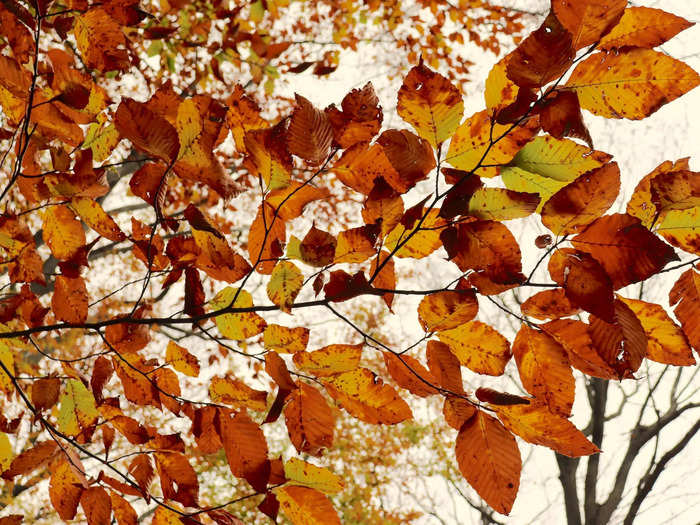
(31, 459)
(489, 459)
(284, 285)
(270, 158)
(362, 164)
(478, 347)
(356, 244)
(178, 480)
(246, 449)
(94, 216)
(411, 157)
(70, 299)
(96, 505)
(101, 41)
(685, 298)
(309, 419)
(574, 337)
(430, 103)
(544, 369)
(62, 233)
(445, 310)
(124, 513)
(643, 27)
(561, 117)
(410, 374)
(309, 135)
(666, 341)
(266, 238)
(45, 392)
(366, 397)
(622, 343)
(536, 424)
(243, 115)
(181, 359)
(630, 84)
(549, 304)
(65, 489)
(146, 130)
(588, 20)
(444, 367)
(360, 118)
(585, 282)
(291, 201)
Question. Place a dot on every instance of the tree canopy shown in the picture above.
(173, 232)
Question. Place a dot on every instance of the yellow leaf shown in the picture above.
(238, 326)
(367, 398)
(305, 474)
(329, 360)
(189, 127)
(94, 216)
(500, 90)
(666, 342)
(284, 339)
(77, 409)
(305, 506)
(431, 104)
(474, 143)
(7, 358)
(536, 424)
(643, 27)
(237, 393)
(422, 243)
(63, 234)
(682, 228)
(445, 310)
(478, 347)
(181, 360)
(284, 285)
(6, 453)
(499, 204)
(630, 84)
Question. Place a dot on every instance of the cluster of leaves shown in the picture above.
(528, 152)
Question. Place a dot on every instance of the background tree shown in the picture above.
(131, 371)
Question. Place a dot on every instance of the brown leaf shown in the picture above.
(309, 419)
(310, 134)
(97, 506)
(146, 130)
(246, 449)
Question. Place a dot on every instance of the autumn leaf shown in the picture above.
(310, 134)
(536, 424)
(306, 506)
(479, 347)
(284, 339)
(410, 374)
(147, 130)
(489, 459)
(235, 392)
(246, 449)
(445, 310)
(685, 300)
(643, 27)
(367, 398)
(77, 410)
(544, 369)
(237, 326)
(329, 360)
(630, 84)
(310, 421)
(285, 283)
(588, 20)
(305, 474)
(430, 103)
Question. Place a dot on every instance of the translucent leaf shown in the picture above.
(63, 234)
(685, 300)
(631, 84)
(146, 130)
(291, 201)
(473, 144)
(329, 360)
(101, 41)
(178, 480)
(588, 20)
(582, 201)
(367, 398)
(235, 392)
(94, 216)
(628, 252)
(305, 474)
(284, 285)
(643, 27)
(6, 453)
(410, 374)
(309, 419)
(544, 369)
(666, 341)
(431, 104)
(246, 449)
(478, 347)
(500, 204)
(489, 459)
(237, 326)
(96, 505)
(310, 134)
(77, 410)
(549, 304)
(284, 339)
(70, 299)
(681, 228)
(444, 367)
(181, 359)
(306, 506)
(65, 489)
(536, 424)
(445, 310)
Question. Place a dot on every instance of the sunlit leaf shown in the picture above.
(284, 285)
(329, 360)
(305, 474)
(309, 419)
(489, 459)
(306, 506)
(631, 84)
(445, 310)
(643, 27)
(479, 347)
